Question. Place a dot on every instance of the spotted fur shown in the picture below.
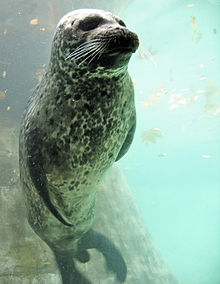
(77, 123)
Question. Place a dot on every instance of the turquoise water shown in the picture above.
(175, 173)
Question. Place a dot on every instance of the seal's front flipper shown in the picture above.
(35, 162)
(127, 142)
(113, 257)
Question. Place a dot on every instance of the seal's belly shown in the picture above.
(83, 150)
(76, 150)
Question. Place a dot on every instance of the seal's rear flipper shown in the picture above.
(68, 271)
(113, 257)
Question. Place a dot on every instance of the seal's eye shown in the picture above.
(121, 23)
(90, 23)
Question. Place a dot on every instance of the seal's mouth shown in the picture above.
(122, 44)
(118, 50)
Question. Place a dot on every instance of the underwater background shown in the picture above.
(173, 165)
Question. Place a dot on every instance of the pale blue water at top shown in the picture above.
(173, 165)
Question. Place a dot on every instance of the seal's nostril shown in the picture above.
(124, 32)
(121, 23)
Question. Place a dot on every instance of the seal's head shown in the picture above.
(93, 38)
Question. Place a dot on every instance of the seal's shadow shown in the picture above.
(93, 239)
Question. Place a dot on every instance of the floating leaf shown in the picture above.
(2, 95)
(34, 21)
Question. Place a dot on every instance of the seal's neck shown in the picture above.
(70, 70)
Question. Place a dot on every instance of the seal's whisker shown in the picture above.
(98, 52)
(87, 44)
(95, 53)
(86, 58)
(146, 54)
(90, 41)
(82, 50)
(84, 46)
(103, 48)
(88, 52)
(92, 55)
(78, 52)
(75, 54)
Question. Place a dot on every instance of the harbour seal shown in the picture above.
(80, 119)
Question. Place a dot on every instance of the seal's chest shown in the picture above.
(100, 130)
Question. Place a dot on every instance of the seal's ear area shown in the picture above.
(69, 35)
